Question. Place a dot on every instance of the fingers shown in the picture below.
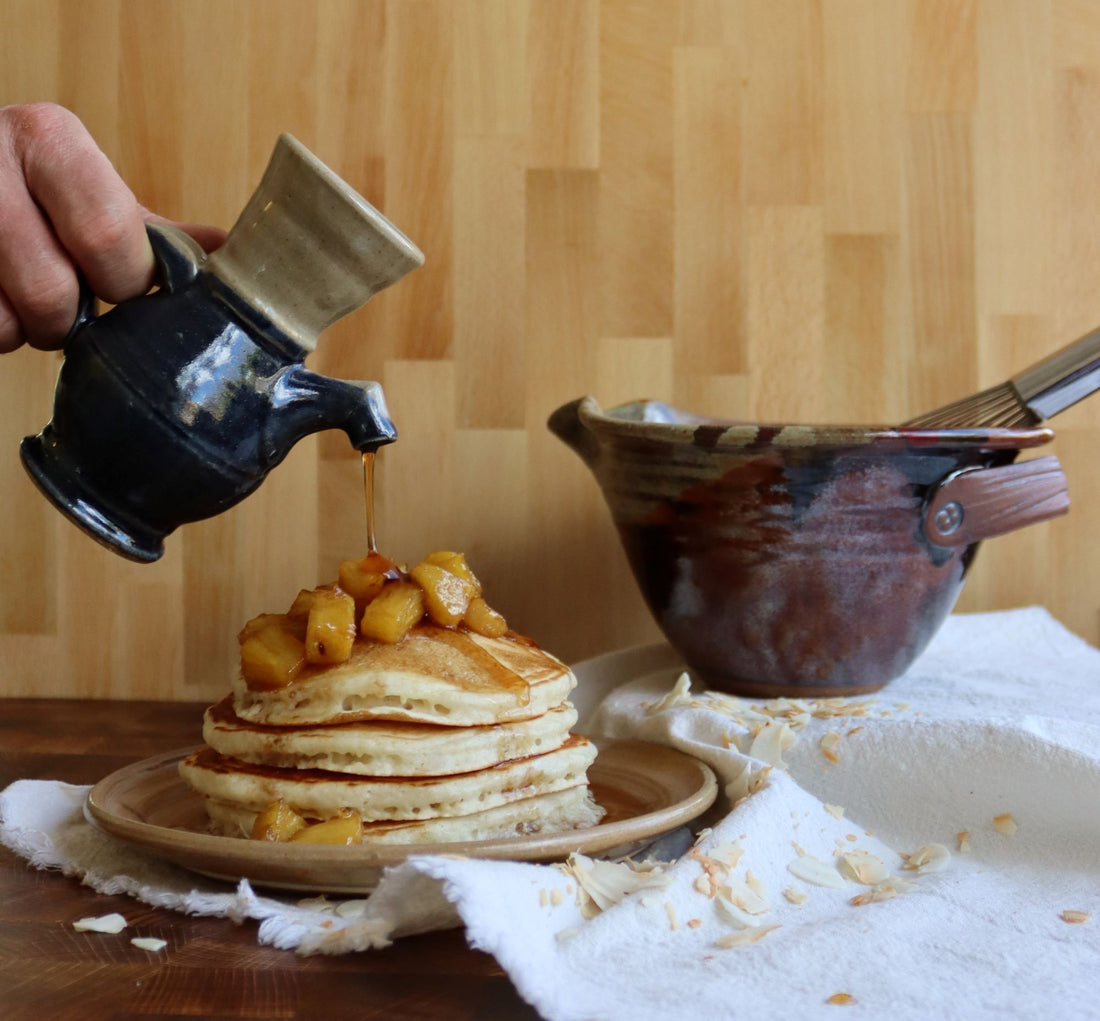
(94, 214)
(208, 237)
(63, 208)
(38, 284)
(10, 333)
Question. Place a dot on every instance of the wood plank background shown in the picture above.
(815, 210)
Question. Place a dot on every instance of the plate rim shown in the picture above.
(256, 859)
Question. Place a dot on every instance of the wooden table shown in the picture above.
(211, 967)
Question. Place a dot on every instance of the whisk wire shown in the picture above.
(999, 407)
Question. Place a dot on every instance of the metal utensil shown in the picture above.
(1033, 396)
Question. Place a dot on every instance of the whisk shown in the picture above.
(1033, 396)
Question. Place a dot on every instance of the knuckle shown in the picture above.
(48, 304)
(106, 232)
(42, 124)
(110, 245)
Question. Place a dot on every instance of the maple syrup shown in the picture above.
(368, 493)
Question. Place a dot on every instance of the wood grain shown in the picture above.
(211, 967)
(843, 210)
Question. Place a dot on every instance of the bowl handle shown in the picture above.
(979, 503)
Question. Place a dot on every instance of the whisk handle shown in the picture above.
(1061, 379)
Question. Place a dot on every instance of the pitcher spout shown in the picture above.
(304, 402)
(568, 425)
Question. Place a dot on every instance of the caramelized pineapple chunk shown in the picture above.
(483, 619)
(392, 612)
(360, 584)
(258, 623)
(446, 595)
(277, 822)
(272, 654)
(456, 564)
(363, 579)
(345, 828)
(303, 603)
(330, 630)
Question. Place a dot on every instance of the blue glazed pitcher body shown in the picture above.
(174, 406)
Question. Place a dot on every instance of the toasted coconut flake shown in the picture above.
(321, 903)
(564, 935)
(743, 937)
(746, 783)
(759, 779)
(863, 867)
(544, 897)
(679, 694)
(606, 882)
(828, 745)
(716, 865)
(112, 923)
(1075, 917)
(770, 741)
(694, 923)
(149, 943)
(728, 852)
(827, 708)
(886, 890)
(352, 908)
(670, 910)
(814, 870)
(930, 858)
(1005, 824)
(838, 999)
(734, 913)
(836, 811)
(963, 838)
(747, 897)
(796, 896)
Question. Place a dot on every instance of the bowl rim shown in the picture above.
(629, 420)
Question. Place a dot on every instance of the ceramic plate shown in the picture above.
(646, 789)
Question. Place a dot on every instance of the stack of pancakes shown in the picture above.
(447, 735)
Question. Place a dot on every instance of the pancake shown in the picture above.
(319, 794)
(384, 748)
(433, 675)
(572, 808)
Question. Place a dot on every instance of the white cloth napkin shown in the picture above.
(994, 733)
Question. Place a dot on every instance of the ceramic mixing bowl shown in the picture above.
(803, 560)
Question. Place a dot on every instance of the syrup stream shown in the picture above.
(368, 492)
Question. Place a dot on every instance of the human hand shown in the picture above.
(64, 208)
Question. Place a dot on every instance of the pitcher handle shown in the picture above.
(179, 258)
